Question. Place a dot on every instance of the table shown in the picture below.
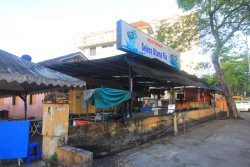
(35, 127)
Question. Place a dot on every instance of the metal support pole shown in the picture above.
(87, 105)
(184, 96)
(172, 95)
(131, 90)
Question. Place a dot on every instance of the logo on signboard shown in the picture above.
(131, 42)
(174, 60)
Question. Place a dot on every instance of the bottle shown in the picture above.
(74, 123)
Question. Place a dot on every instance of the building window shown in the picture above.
(92, 51)
(107, 46)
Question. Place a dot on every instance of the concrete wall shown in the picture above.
(55, 127)
(106, 138)
(68, 156)
(192, 118)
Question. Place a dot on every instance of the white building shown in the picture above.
(103, 44)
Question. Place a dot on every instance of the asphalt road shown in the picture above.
(220, 143)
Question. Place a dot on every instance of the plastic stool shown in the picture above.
(34, 151)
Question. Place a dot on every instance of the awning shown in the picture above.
(19, 76)
(143, 69)
(155, 69)
(216, 89)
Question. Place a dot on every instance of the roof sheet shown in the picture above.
(19, 76)
(60, 59)
(116, 67)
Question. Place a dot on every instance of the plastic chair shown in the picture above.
(34, 152)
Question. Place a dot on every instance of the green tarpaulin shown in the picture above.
(107, 97)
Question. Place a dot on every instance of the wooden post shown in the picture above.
(25, 106)
(172, 95)
(175, 124)
(24, 98)
(214, 105)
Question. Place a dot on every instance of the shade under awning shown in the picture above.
(19, 76)
(117, 67)
(160, 71)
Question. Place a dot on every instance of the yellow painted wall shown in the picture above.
(134, 130)
(72, 101)
(75, 97)
(1, 101)
(150, 123)
(55, 127)
(146, 124)
(197, 114)
(71, 156)
(221, 104)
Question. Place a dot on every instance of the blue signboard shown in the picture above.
(14, 139)
(133, 40)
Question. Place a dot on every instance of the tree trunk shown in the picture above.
(233, 113)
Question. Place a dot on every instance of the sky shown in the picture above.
(45, 29)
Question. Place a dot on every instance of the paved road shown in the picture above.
(221, 143)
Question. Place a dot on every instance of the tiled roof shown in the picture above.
(140, 25)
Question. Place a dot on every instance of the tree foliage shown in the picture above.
(221, 23)
(236, 73)
(211, 79)
(203, 66)
(180, 33)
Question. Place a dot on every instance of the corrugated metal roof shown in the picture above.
(19, 76)
(116, 67)
(61, 59)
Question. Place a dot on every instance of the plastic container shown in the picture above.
(145, 109)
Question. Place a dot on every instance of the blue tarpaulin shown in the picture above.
(107, 97)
